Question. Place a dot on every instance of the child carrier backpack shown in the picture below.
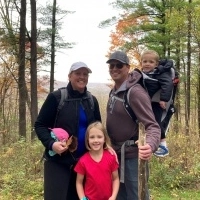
(170, 109)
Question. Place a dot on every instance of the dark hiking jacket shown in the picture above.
(68, 119)
(161, 79)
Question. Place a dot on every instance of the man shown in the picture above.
(121, 127)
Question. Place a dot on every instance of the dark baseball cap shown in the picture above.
(120, 56)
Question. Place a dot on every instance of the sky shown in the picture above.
(92, 43)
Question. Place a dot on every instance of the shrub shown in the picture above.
(21, 171)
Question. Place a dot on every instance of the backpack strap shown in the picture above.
(171, 101)
(122, 164)
(91, 100)
(127, 105)
(64, 98)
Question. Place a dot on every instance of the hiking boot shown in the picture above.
(162, 151)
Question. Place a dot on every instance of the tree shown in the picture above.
(21, 72)
(52, 21)
(33, 70)
(167, 27)
(189, 37)
(53, 36)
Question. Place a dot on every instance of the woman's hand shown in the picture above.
(59, 147)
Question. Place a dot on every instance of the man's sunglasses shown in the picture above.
(118, 66)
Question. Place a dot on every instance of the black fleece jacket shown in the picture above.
(67, 119)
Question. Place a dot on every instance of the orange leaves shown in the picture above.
(126, 36)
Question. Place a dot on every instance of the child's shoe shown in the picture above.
(162, 151)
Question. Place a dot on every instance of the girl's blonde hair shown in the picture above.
(98, 125)
(152, 52)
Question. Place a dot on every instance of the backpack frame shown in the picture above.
(170, 108)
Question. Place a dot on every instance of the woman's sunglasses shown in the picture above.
(118, 66)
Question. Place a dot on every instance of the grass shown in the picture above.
(21, 171)
(175, 195)
(175, 177)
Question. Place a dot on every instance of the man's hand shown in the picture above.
(145, 152)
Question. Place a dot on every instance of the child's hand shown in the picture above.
(163, 104)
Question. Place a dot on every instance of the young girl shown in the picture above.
(97, 170)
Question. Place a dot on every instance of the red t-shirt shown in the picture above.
(98, 175)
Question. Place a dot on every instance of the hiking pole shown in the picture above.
(142, 177)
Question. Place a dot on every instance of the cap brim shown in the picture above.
(89, 70)
(76, 68)
(115, 59)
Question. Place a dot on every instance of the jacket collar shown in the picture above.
(75, 93)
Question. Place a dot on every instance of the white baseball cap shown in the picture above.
(78, 65)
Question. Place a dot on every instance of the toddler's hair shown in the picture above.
(97, 125)
(157, 57)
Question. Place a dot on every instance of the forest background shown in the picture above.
(172, 28)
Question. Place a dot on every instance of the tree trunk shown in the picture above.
(177, 101)
(21, 72)
(189, 18)
(53, 47)
(33, 70)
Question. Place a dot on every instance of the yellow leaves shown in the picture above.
(8, 153)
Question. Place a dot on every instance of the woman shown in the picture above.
(74, 117)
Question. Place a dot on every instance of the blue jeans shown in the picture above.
(129, 189)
